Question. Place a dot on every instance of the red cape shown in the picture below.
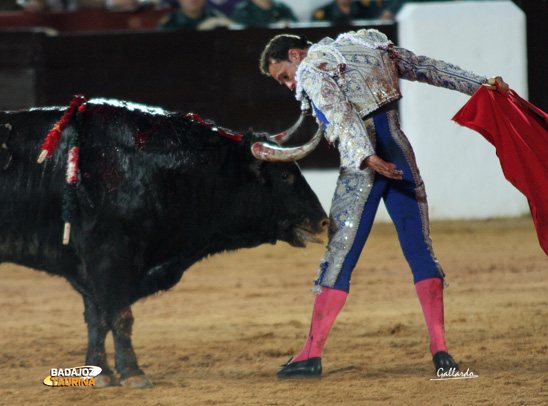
(519, 132)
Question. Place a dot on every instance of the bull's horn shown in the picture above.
(273, 153)
(282, 137)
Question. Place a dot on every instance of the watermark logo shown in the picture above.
(453, 373)
(78, 376)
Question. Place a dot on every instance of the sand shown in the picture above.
(220, 335)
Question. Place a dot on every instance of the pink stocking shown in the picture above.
(327, 306)
(430, 293)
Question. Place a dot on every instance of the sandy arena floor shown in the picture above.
(219, 336)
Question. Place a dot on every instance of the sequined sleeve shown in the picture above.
(341, 121)
(436, 72)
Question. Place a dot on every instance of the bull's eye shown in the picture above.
(287, 177)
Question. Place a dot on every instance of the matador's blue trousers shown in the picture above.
(355, 204)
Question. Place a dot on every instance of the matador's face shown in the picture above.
(284, 71)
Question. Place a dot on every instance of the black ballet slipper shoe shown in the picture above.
(444, 361)
(310, 368)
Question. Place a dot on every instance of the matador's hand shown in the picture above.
(498, 80)
(387, 169)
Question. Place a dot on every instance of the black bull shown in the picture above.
(156, 193)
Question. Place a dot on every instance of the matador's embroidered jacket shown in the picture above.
(352, 76)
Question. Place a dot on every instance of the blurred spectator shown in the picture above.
(71, 5)
(398, 4)
(120, 5)
(35, 6)
(259, 13)
(345, 11)
(193, 15)
(226, 7)
(9, 5)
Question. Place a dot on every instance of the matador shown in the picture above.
(351, 85)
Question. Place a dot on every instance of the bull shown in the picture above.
(156, 192)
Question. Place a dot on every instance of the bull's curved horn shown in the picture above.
(273, 153)
(282, 137)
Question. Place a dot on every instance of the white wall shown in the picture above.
(460, 168)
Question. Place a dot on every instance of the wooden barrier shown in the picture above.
(215, 73)
(212, 73)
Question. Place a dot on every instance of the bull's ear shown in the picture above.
(256, 166)
(257, 169)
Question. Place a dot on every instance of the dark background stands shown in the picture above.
(193, 15)
(345, 11)
(251, 13)
(213, 73)
(224, 6)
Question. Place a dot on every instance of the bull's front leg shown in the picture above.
(126, 361)
(98, 328)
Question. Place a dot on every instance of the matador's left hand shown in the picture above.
(499, 81)
(382, 167)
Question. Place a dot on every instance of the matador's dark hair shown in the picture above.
(278, 47)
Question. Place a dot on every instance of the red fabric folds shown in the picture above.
(519, 132)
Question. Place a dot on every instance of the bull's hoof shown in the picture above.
(445, 362)
(105, 381)
(137, 382)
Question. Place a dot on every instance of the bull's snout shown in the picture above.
(309, 232)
